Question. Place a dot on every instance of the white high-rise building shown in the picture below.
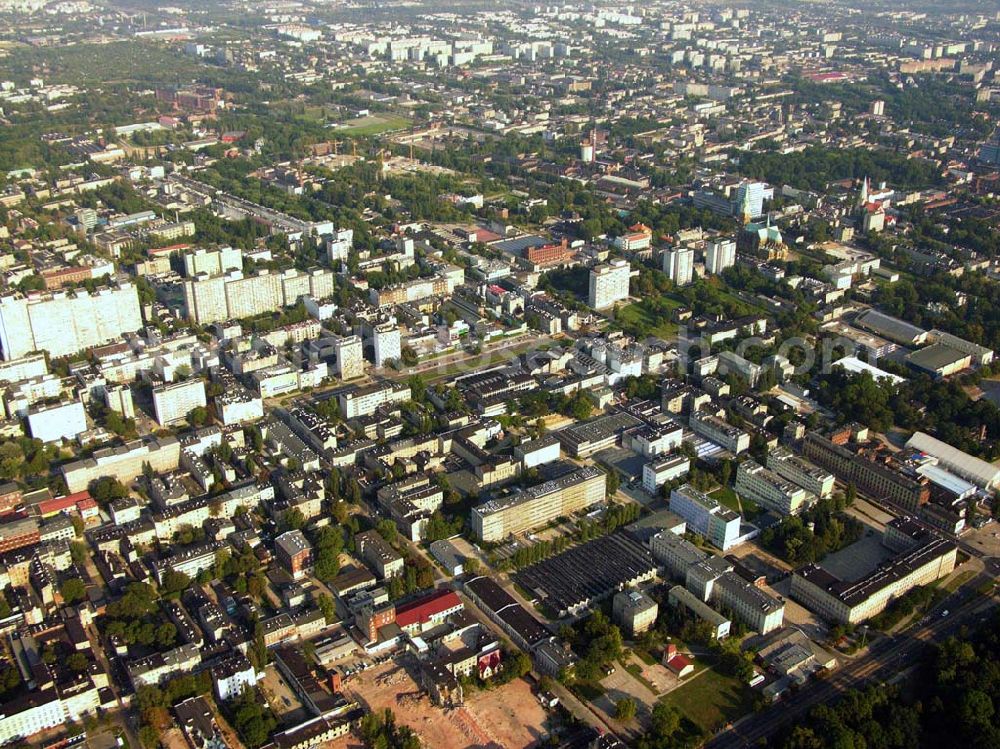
(719, 255)
(174, 401)
(212, 262)
(119, 398)
(65, 322)
(339, 245)
(349, 352)
(234, 296)
(249, 296)
(609, 283)
(205, 299)
(678, 264)
(57, 422)
(387, 343)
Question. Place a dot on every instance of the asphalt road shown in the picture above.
(883, 661)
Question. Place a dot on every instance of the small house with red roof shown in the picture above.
(677, 663)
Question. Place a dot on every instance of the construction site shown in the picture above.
(507, 717)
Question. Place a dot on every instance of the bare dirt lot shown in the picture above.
(508, 717)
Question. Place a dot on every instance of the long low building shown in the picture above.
(124, 462)
(869, 476)
(525, 630)
(979, 472)
(579, 577)
(526, 510)
(589, 437)
(852, 602)
(681, 596)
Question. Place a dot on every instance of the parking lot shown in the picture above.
(985, 539)
(857, 560)
(282, 699)
(622, 684)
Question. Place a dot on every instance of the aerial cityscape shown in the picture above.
(387, 374)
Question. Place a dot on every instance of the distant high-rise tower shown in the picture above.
(877, 108)
(609, 283)
(588, 147)
(719, 255)
(678, 264)
(746, 208)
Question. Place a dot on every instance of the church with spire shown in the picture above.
(871, 213)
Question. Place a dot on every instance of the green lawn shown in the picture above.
(710, 700)
(636, 318)
(957, 581)
(727, 498)
(374, 124)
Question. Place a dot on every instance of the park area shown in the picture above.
(710, 700)
(373, 124)
(509, 716)
(647, 318)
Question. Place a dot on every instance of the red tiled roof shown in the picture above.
(484, 236)
(424, 608)
(58, 504)
(678, 663)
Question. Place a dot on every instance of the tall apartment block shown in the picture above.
(350, 358)
(174, 401)
(365, 400)
(609, 283)
(719, 255)
(678, 264)
(213, 262)
(339, 245)
(387, 343)
(234, 296)
(65, 322)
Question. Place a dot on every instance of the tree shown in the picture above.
(166, 636)
(198, 416)
(328, 542)
(293, 519)
(73, 590)
(77, 662)
(666, 719)
(326, 605)
(252, 719)
(78, 552)
(174, 581)
(625, 709)
(408, 356)
(613, 482)
(107, 489)
(387, 529)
